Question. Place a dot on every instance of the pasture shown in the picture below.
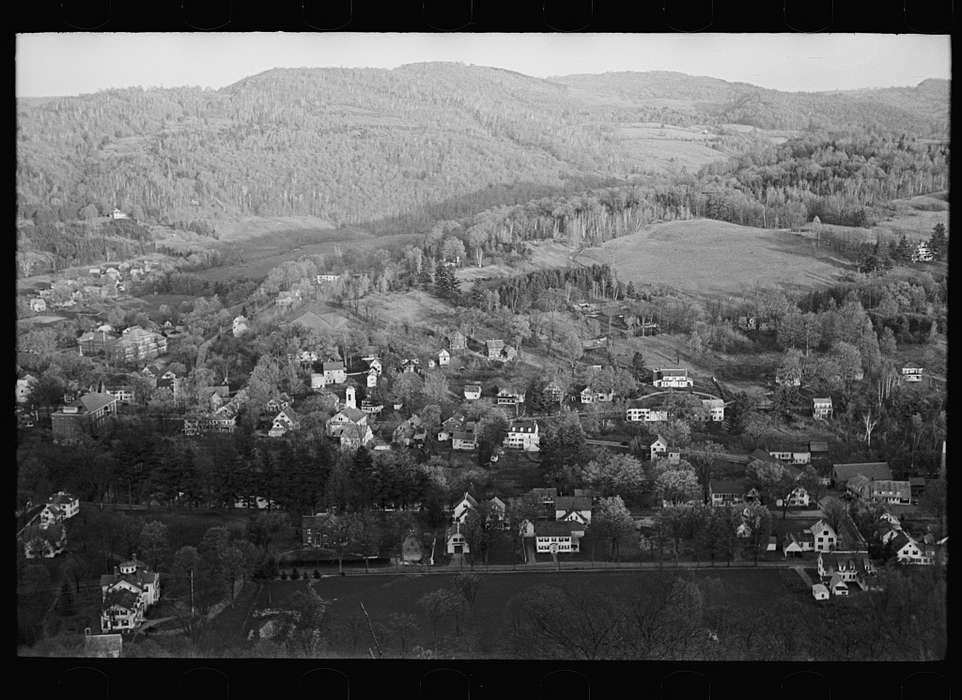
(706, 257)
(915, 217)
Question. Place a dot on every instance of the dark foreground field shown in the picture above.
(489, 620)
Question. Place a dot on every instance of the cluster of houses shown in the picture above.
(101, 282)
(45, 536)
(133, 344)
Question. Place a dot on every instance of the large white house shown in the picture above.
(672, 379)
(350, 427)
(332, 372)
(126, 595)
(821, 408)
(523, 435)
(644, 414)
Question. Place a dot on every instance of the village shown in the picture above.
(657, 458)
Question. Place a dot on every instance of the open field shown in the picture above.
(383, 595)
(916, 217)
(703, 256)
(409, 307)
(545, 254)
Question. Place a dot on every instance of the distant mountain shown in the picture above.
(356, 145)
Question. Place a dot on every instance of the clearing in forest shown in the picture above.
(704, 256)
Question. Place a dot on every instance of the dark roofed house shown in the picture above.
(841, 473)
(726, 492)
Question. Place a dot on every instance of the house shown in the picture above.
(136, 344)
(371, 408)
(880, 490)
(449, 427)
(472, 392)
(798, 497)
(796, 544)
(460, 509)
(547, 498)
(837, 585)
(350, 427)
(817, 448)
(332, 372)
(772, 545)
(743, 530)
(795, 455)
(922, 253)
(126, 595)
(444, 358)
(576, 509)
(407, 432)
(726, 492)
(589, 395)
(277, 403)
(912, 373)
(312, 529)
(509, 397)
(464, 439)
(117, 214)
(41, 542)
(557, 537)
(820, 592)
(821, 408)
(82, 416)
(714, 409)
(37, 304)
(412, 550)
(658, 447)
(284, 422)
(841, 473)
(326, 278)
(644, 414)
(456, 542)
(240, 326)
(672, 379)
(553, 392)
(850, 566)
(908, 551)
(523, 435)
(93, 342)
(826, 539)
(410, 365)
(24, 388)
(493, 349)
(68, 504)
(103, 646)
(457, 341)
(497, 513)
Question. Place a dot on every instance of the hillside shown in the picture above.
(352, 146)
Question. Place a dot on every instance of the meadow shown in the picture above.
(702, 256)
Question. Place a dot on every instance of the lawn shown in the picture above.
(703, 256)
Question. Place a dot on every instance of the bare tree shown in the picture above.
(870, 424)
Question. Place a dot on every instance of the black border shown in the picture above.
(219, 678)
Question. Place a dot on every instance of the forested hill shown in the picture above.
(922, 110)
(356, 145)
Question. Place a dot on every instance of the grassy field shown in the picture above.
(383, 595)
(916, 217)
(703, 256)
(545, 254)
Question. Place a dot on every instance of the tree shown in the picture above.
(834, 511)
(154, 546)
(759, 520)
(404, 627)
(938, 243)
(612, 522)
(339, 532)
(933, 500)
(66, 603)
(440, 604)
(678, 486)
(617, 475)
(563, 450)
(468, 585)
(475, 531)
(677, 432)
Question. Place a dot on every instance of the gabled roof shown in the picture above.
(872, 470)
(569, 503)
(332, 366)
(674, 372)
(556, 528)
(464, 435)
(900, 540)
(818, 446)
(122, 598)
(470, 499)
(352, 414)
(530, 426)
(820, 525)
(544, 491)
(94, 401)
(736, 486)
(472, 387)
(858, 482)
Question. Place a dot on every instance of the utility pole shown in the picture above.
(191, 592)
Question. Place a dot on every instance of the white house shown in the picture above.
(557, 537)
(464, 439)
(672, 379)
(658, 447)
(850, 566)
(912, 373)
(908, 551)
(523, 435)
(826, 539)
(460, 510)
(798, 497)
(837, 585)
(509, 397)
(38, 304)
(456, 542)
(449, 427)
(444, 358)
(285, 421)
(68, 504)
(332, 372)
(573, 509)
(350, 427)
(714, 409)
(472, 392)
(126, 595)
(797, 544)
(643, 414)
(792, 456)
(820, 592)
(821, 408)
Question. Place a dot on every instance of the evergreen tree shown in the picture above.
(938, 241)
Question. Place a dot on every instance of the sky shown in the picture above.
(72, 64)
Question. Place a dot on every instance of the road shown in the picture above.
(569, 566)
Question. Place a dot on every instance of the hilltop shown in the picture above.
(354, 146)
